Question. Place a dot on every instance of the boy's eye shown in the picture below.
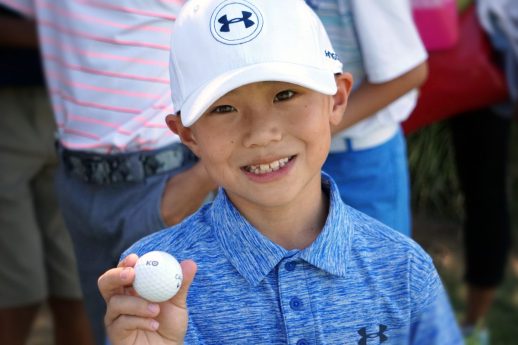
(284, 95)
(221, 109)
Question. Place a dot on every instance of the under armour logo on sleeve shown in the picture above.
(376, 337)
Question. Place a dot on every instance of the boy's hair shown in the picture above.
(220, 45)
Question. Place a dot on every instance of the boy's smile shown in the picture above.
(266, 168)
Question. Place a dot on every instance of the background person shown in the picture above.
(483, 175)
(38, 263)
(123, 174)
(380, 45)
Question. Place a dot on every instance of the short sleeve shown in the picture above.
(192, 337)
(24, 7)
(432, 321)
(389, 40)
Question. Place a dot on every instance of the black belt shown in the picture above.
(130, 167)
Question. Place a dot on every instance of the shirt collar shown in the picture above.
(254, 255)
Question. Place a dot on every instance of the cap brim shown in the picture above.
(319, 80)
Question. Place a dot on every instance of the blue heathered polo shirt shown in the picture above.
(358, 283)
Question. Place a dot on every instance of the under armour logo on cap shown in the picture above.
(226, 23)
(236, 22)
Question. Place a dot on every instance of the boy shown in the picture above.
(281, 259)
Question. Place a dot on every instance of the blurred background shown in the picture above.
(437, 205)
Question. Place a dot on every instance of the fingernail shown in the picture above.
(153, 308)
(154, 325)
(125, 273)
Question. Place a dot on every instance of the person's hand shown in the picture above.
(131, 320)
(184, 193)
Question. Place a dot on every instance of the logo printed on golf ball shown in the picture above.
(158, 276)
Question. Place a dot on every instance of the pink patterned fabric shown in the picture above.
(107, 71)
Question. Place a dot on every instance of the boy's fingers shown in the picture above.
(189, 269)
(128, 261)
(128, 323)
(129, 305)
(113, 281)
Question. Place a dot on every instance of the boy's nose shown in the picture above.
(262, 130)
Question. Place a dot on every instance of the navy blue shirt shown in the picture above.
(360, 282)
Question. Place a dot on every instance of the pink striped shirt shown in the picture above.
(106, 64)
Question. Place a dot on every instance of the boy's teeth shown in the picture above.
(267, 168)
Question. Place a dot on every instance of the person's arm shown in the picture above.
(17, 32)
(369, 98)
(131, 319)
(184, 193)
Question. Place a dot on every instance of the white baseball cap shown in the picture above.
(220, 45)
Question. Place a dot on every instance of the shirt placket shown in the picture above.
(295, 302)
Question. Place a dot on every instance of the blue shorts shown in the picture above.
(375, 181)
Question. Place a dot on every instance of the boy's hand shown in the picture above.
(131, 319)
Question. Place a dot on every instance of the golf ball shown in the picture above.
(158, 276)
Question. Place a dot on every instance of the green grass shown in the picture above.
(435, 188)
(438, 202)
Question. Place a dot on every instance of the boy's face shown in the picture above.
(266, 142)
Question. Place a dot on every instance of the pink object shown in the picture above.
(437, 23)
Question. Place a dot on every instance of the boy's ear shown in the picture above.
(344, 84)
(174, 123)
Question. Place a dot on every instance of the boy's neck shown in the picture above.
(294, 226)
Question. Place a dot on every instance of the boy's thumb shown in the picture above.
(189, 269)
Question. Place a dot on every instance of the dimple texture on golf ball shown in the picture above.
(158, 276)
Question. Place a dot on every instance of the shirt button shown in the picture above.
(290, 266)
(296, 303)
(302, 342)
